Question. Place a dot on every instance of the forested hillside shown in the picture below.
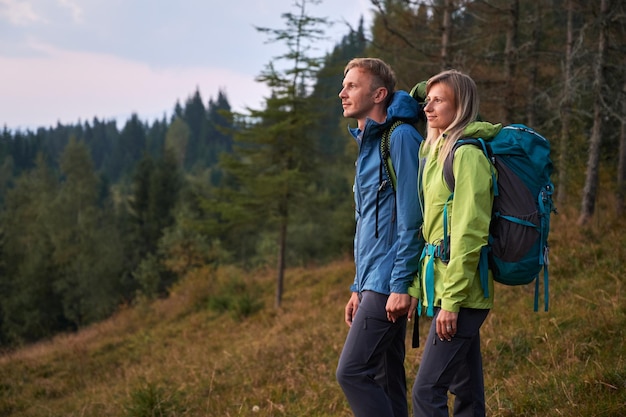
(217, 347)
(96, 217)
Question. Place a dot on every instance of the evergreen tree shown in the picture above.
(178, 141)
(407, 35)
(128, 149)
(275, 160)
(220, 127)
(29, 303)
(155, 138)
(85, 241)
(156, 187)
(195, 116)
(100, 137)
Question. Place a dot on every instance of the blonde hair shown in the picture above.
(382, 74)
(466, 101)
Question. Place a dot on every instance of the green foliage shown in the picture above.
(236, 297)
(30, 309)
(156, 194)
(275, 158)
(62, 261)
(140, 239)
(128, 149)
(85, 252)
(149, 276)
(177, 140)
(153, 400)
(220, 127)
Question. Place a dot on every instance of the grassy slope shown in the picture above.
(177, 357)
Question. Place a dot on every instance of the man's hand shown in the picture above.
(397, 306)
(351, 308)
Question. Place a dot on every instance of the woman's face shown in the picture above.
(440, 107)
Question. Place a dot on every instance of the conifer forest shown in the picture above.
(99, 214)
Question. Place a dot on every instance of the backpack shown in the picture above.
(518, 234)
(418, 92)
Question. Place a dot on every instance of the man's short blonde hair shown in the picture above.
(382, 74)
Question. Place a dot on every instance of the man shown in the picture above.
(386, 244)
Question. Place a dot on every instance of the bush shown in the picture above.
(151, 400)
(236, 297)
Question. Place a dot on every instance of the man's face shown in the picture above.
(357, 97)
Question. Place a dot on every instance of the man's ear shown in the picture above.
(380, 95)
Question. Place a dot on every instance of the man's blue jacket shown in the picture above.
(387, 243)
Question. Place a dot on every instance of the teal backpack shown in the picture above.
(518, 237)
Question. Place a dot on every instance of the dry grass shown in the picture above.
(178, 357)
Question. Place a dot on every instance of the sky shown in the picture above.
(68, 61)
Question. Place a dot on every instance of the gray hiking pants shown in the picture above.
(454, 366)
(371, 365)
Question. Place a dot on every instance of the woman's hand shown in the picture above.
(412, 308)
(446, 324)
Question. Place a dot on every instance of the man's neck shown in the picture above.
(377, 116)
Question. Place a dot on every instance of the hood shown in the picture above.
(483, 130)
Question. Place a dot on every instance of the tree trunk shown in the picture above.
(534, 64)
(566, 109)
(446, 28)
(282, 247)
(510, 61)
(592, 177)
(621, 165)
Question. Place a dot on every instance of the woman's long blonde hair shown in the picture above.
(466, 101)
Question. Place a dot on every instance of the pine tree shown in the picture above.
(220, 128)
(195, 117)
(30, 306)
(128, 149)
(275, 160)
(156, 188)
(85, 241)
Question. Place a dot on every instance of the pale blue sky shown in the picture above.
(71, 60)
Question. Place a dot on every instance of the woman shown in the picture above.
(449, 284)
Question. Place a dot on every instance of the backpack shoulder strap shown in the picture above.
(448, 172)
(385, 152)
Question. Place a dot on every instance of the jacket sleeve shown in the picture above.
(469, 224)
(405, 142)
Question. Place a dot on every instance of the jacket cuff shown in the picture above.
(450, 305)
(414, 292)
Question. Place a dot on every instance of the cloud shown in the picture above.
(86, 85)
(75, 10)
(18, 13)
(65, 60)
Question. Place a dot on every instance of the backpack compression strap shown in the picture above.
(385, 160)
(448, 172)
(385, 153)
(448, 175)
